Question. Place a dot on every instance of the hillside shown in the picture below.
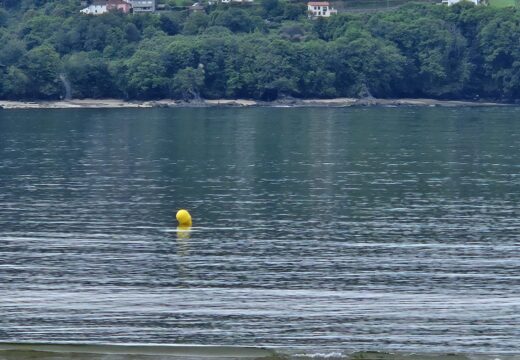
(503, 3)
(267, 51)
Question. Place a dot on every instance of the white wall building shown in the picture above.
(451, 2)
(320, 8)
(235, 1)
(97, 8)
(142, 5)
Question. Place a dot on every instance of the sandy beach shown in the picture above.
(339, 102)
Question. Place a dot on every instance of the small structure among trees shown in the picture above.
(451, 2)
(320, 9)
(99, 7)
(236, 1)
(119, 5)
(143, 5)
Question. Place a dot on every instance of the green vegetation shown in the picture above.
(502, 3)
(367, 5)
(268, 51)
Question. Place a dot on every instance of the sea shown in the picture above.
(362, 233)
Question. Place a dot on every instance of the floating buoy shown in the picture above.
(184, 218)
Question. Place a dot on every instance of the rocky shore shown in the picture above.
(339, 102)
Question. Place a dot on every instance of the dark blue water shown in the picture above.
(315, 230)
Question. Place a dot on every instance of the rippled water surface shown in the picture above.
(314, 229)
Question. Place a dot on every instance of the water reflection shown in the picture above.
(183, 237)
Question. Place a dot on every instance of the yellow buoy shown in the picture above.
(183, 217)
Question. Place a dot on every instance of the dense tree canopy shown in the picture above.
(267, 50)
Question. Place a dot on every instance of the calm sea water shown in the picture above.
(315, 230)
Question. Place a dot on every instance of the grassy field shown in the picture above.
(502, 3)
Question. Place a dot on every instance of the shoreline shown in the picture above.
(167, 103)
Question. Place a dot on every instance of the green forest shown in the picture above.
(267, 50)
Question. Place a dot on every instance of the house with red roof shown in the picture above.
(119, 5)
(100, 7)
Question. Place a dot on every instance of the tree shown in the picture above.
(366, 65)
(261, 52)
(12, 51)
(10, 4)
(146, 75)
(15, 84)
(319, 83)
(272, 9)
(294, 11)
(38, 29)
(132, 33)
(436, 52)
(196, 23)
(3, 17)
(269, 5)
(41, 66)
(88, 75)
(501, 55)
(294, 32)
(213, 53)
(236, 20)
(320, 28)
(179, 53)
(256, 67)
(188, 83)
(170, 24)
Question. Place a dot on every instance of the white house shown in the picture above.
(236, 1)
(96, 8)
(451, 2)
(320, 8)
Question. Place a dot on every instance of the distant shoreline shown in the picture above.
(339, 102)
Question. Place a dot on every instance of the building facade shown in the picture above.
(320, 9)
(143, 5)
(119, 5)
(96, 8)
(235, 1)
(451, 2)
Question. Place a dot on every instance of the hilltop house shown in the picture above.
(119, 5)
(98, 7)
(196, 7)
(451, 2)
(320, 9)
(143, 5)
(235, 1)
